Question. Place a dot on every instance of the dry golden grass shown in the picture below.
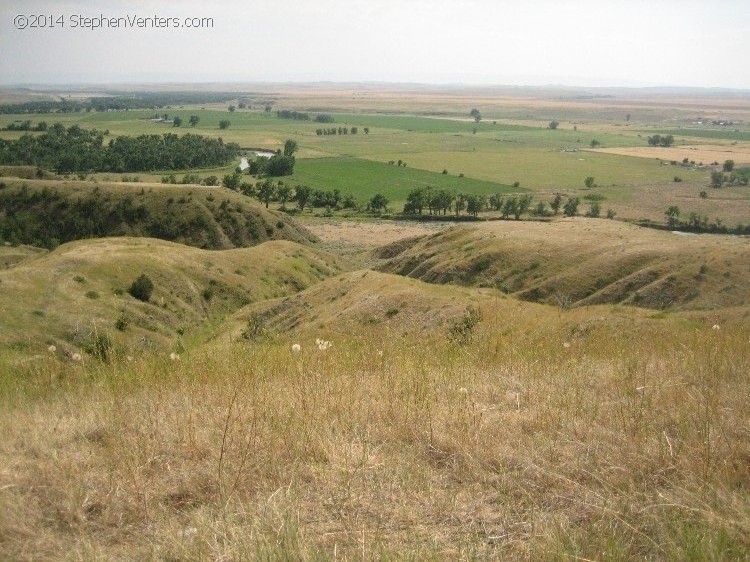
(582, 261)
(70, 295)
(705, 154)
(598, 434)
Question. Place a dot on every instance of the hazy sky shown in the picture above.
(520, 42)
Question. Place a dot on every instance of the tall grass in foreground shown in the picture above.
(590, 443)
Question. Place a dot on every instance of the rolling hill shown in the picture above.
(71, 295)
(47, 213)
(580, 262)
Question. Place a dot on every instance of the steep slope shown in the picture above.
(47, 213)
(581, 261)
(71, 295)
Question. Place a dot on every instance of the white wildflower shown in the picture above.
(380, 353)
(52, 349)
(566, 345)
(188, 532)
(463, 390)
(716, 327)
(296, 348)
(76, 357)
(323, 345)
(129, 358)
(174, 357)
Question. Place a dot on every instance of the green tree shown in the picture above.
(589, 182)
(672, 214)
(496, 201)
(594, 143)
(290, 147)
(416, 201)
(442, 200)
(555, 203)
(194, 120)
(459, 203)
(283, 193)
(571, 207)
(728, 165)
(553, 125)
(541, 209)
(717, 178)
(266, 191)
(366, 130)
(524, 203)
(475, 204)
(594, 210)
(280, 165)
(302, 196)
(177, 121)
(510, 207)
(231, 109)
(224, 124)
(232, 181)
(476, 115)
(378, 203)
(142, 288)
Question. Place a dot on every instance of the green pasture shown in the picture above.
(365, 178)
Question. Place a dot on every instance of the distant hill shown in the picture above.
(47, 213)
(581, 261)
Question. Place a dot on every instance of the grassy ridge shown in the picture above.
(69, 296)
(46, 213)
(581, 262)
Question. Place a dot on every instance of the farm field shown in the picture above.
(432, 133)
(190, 373)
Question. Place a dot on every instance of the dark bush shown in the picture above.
(142, 288)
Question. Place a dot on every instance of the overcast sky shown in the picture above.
(519, 42)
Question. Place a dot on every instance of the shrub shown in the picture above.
(462, 328)
(122, 322)
(142, 288)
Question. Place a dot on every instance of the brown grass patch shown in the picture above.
(704, 153)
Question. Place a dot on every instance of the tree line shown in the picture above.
(27, 126)
(75, 149)
(121, 102)
(340, 131)
(444, 201)
(699, 223)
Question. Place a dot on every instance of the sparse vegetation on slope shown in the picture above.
(581, 261)
(46, 214)
(49, 300)
(348, 302)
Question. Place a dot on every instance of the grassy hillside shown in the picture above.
(80, 290)
(593, 434)
(582, 261)
(363, 299)
(47, 213)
